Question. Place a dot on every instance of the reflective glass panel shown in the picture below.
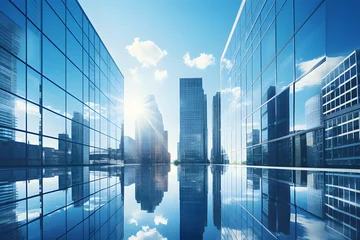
(53, 27)
(53, 63)
(33, 47)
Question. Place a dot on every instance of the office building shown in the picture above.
(151, 139)
(290, 98)
(216, 134)
(59, 86)
(193, 121)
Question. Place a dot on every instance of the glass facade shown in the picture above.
(61, 93)
(290, 98)
(193, 121)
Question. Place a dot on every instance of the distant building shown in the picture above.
(216, 134)
(130, 153)
(193, 121)
(151, 139)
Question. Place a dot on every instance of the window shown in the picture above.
(34, 12)
(33, 86)
(284, 113)
(34, 47)
(13, 25)
(73, 26)
(53, 124)
(285, 67)
(33, 118)
(285, 23)
(303, 9)
(73, 50)
(53, 27)
(268, 46)
(75, 10)
(74, 84)
(12, 110)
(268, 82)
(53, 97)
(53, 63)
(58, 7)
(311, 36)
(73, 106)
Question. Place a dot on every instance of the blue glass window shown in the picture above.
(285, 67)
(53, 124)
(33, 86)
(73, 26)
(12, 110)
(74, 84)
(13, 25)
(53, 97)
(73, 50)
(33, 118)
(53, 27)
(303, 9)
(268, 82)
(34, 12)
(53, 63)
(75, 10)
(58, 7)
(268, 47)
(34, 47)
(285, 25)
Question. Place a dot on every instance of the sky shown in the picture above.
(155, 43)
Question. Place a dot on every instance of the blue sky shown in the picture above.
(149, 40)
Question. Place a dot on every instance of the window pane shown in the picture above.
(12, 147)
(58, 7)
(74, 50)
(284, 23)
(75, 10)
(53, 124)
(268, 131)
(285, 67)
(303, 8)
(33, 86)
(34, 12)
(268, 46)
(13, 25)
(33, 118)
(268, 82)
(284, 113)
(73, 106)
(12, 74)
(311, 36)
(54, 63)
(34, 47)
(74, 83)
(53, 27)
(73, 26)
(53, 97)
(12, 112)
(33, 154)
(308, 101)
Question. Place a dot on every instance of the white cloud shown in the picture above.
(227, 63)
(133, 221)
(201, 62)
(160, 75)
(135, 74)
(160, 219)
(316, 76)
(148, 234)
(146, 52)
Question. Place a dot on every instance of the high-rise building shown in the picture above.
(54, 64)
(283, 105)
(151, 139)
(216, 134)
(193, 121)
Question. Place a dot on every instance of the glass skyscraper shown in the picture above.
(290, 98)
(61, 93)
(193, 121)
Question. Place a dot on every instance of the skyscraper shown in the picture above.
(193, 121)
(53, 63)
(151, 139)
(216, 137)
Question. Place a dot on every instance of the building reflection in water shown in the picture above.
(65, 203)
(193, 192)
(151, 182)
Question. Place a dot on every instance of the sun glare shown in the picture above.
(134, 108)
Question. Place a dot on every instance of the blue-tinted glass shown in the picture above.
(53, 124)
(257, 94)
(73, 106)
(34, 47)
(311, 36)
(268, 82)
(86, 91)
(303, 9)
(53, 63)
(308, 100)
(285, 25)
(342, 18)
(33, 158)
(268, 121)
(34, 12)
(53, 97)
(12, 77)
(53, 27)
(13, 25)
(284, 114)
(34, 208)
(20, 4)
(73, 26)
(58, 7)
(268, 47)
(12, 145)
(75, 10)
(85, 25)
(285, 67)
(73, 50)
(13, 111)
(74, 83)
(86, 64)
(33, 86)
(33, 118)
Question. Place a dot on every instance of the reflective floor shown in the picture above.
(185, 202)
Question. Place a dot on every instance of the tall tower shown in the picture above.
(216, 121)
(193, 116)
